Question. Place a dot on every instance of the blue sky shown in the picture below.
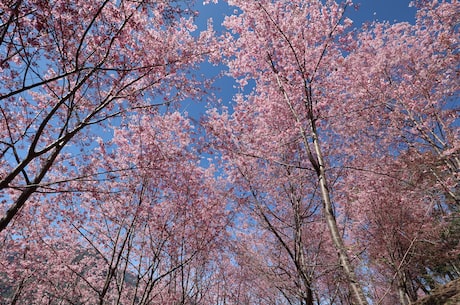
(390, 10)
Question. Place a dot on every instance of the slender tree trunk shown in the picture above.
(318, 164)
(307, 294)
(402, 290)
(356, 289)
(403, 298)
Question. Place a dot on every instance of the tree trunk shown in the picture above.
(356, 290)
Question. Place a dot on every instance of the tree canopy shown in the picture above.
(331, 177)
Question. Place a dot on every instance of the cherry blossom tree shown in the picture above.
(281, 243)
(407, 177)
(290, 60)
(371, 112)
(67, 67)
(146, 234)
(97, 172)
(336, 167)
(395, 219)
